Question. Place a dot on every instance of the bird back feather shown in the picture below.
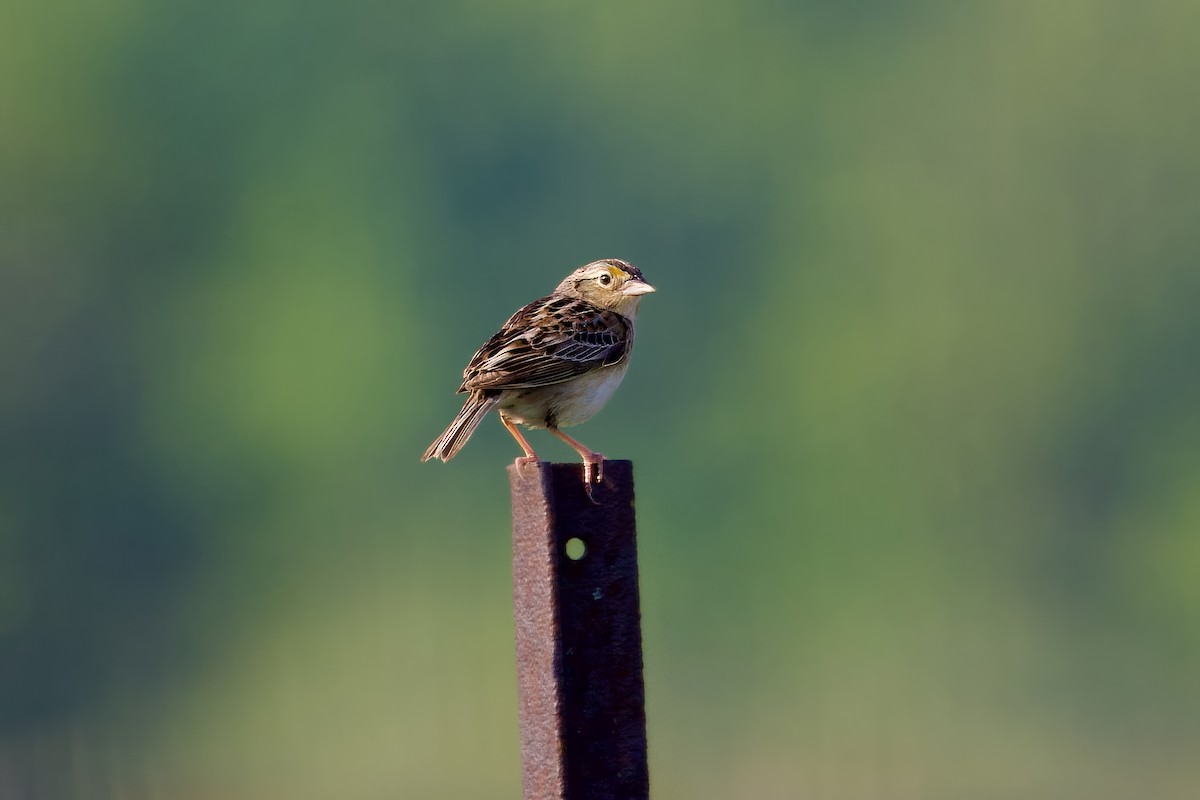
(549, 341)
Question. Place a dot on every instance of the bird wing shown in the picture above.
(549, 341)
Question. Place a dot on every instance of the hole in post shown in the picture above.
(575, 548)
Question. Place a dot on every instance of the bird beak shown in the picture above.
(634, 287)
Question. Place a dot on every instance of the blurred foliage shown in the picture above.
(916, 410)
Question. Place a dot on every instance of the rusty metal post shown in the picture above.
(579, 637)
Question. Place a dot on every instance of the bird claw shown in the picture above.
(593, 472)
(525, 461)
(593, 468)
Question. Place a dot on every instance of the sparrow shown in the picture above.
(554, 363)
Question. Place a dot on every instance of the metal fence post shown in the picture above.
(578, 630)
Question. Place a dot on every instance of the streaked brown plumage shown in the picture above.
(555, 362)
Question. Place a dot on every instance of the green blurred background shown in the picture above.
(915, 411)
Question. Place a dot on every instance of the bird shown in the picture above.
(554, 363)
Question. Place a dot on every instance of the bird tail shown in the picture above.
(460, 430)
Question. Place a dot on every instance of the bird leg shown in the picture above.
(593, 462)
(530, 457)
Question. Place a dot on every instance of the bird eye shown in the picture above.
(605, 279)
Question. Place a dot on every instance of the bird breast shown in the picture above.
(569, 403)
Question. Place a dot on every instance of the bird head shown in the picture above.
(609, 283)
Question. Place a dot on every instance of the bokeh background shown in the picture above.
(915, 411)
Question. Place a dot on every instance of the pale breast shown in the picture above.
(563, 404)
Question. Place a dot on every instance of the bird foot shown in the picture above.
(525, 461)
(593, 472)
(593, 468)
